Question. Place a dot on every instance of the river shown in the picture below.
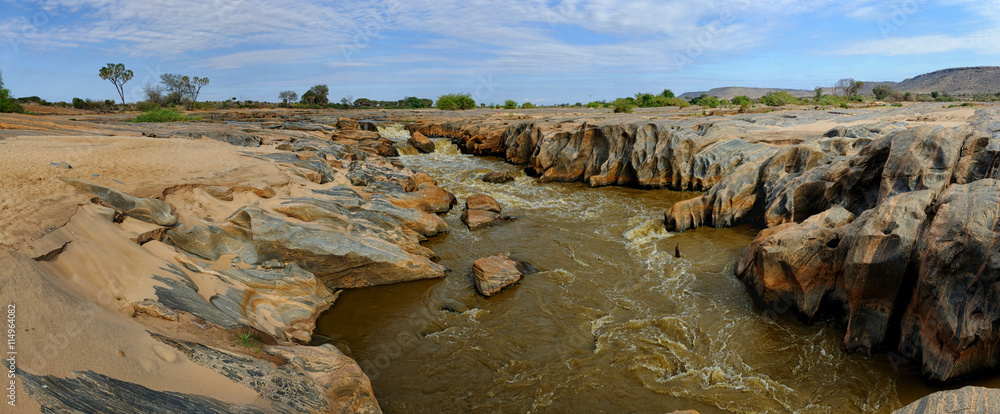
(612, 322)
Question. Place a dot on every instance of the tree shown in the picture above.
(118, 75)
(667, 93)
(841, 86)
(819, 92)
(743, 101)
(179, 87)
(320, 93)
(882, 92)
(854, 89)
(510, 104)
(7, 102)
(288, 96)
(453, 101)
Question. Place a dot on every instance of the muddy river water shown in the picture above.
(613, 322)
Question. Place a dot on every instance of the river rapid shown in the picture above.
(613, 322)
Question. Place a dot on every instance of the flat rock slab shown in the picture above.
(497, 272)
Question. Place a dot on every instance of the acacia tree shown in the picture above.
(180, 86)
(288, 97)
(118, 75)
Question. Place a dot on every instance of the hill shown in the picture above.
(731, 92)
(955, 81)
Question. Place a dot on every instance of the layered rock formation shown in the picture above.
(482, 211)
(889, 225)
(251, 261)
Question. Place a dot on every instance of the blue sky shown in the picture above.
(541, 51)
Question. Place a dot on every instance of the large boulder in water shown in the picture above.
(970, 400)
(497, 272)
(421, 143)
(482, 211)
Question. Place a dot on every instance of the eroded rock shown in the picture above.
(145, 209)
(497, 272)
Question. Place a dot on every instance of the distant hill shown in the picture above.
(731, 92)
(956, 81)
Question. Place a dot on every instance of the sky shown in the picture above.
(542, 51)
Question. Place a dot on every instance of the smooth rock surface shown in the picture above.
(497, 272)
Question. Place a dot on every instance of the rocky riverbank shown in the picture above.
(886, 218)
(191, 262)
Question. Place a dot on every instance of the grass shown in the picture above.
(164, 115)
(247, 339)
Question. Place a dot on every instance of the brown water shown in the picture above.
(612, 323)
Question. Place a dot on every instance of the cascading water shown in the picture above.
(613, 322)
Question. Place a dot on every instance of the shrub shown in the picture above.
(455, 101)
(510, 104)
(527, 105)
(146, 106)
(623, 105)
(779, 98)
(742, 101)
(163, 115)
(8, 104)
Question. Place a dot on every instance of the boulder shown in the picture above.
(421, 143)
(502, 177)
(427, 197)
(482, 211)
(497, 272)
(970, 400)
(145, 209)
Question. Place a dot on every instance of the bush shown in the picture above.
(623, 105)
(705, 100)
(163, 115)
(146, 106)
(455, 101)
(510, 104)
(742, 101)
(527, 105)
(779, 98)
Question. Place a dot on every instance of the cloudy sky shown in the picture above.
(542, 51)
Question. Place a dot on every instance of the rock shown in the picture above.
(949, 326)
(231, 137)
(367, 141)
(347, 124)
(498, 177)
(93, 390)
(497, 272)
(482, 202)
(145, 209)
(315, 379)
(482, 211)
(427, 197)
(305, 126)
(970, 400)
(62, 165)
(285, 146)
(342, 260)
(421, 143)
(796, 264)
(219, 193)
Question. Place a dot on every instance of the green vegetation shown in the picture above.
(705, 100)
(163, 115)
(182, 89)
(510, 104)
(455, 101)
(779, 98)
(287, 97)
(528, 105)
(623, 105)
(743, 102)
(247, 338)
(118, 75)
(7, 102)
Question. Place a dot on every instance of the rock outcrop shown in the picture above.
(145, 209)
(897, 237)
(501, 177)
(497, 272)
